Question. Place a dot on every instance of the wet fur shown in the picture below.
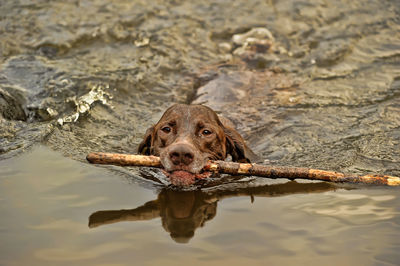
(186, 123)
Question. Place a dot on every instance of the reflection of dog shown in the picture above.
(187, 136)
(185, 212)
(182, 212)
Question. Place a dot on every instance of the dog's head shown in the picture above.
(187, 136)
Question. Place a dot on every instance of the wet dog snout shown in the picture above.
(181, 154)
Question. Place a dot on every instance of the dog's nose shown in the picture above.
(181, 154)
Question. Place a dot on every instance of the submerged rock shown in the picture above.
(23, 88)
(257, 47)
(261, 34)
(12, 105)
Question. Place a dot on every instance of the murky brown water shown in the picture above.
(320, 90)
(48, 201)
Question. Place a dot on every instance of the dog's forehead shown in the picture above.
(190, 113)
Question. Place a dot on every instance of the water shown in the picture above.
(322, 91)
(47, 213)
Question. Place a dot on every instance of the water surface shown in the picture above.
(46, 201)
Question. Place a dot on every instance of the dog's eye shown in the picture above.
(166, 129)
(206, 132)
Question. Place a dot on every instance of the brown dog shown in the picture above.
(187, 136)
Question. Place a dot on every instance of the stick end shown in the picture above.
(393, 181)
(91, 157)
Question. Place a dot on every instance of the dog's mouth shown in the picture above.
(184, 178)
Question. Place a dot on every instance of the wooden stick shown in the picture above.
(247, 169)
(124, 159)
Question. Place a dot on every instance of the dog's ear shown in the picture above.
(237, 148)
(145, 145)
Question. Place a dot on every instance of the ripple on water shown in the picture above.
(354, 208)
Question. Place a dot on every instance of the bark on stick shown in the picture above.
(248, 169)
